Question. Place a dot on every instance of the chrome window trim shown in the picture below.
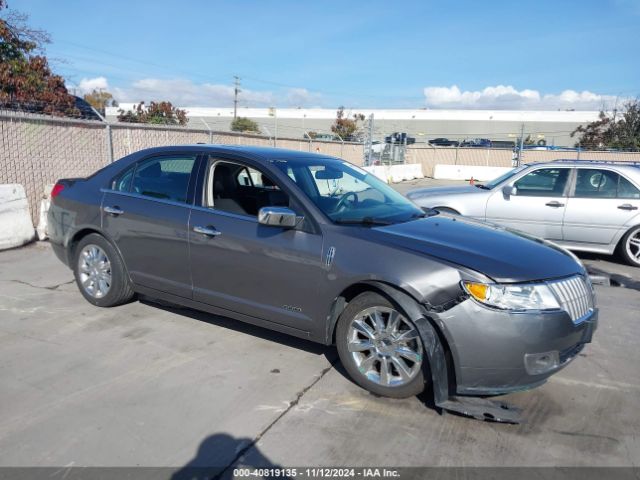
(182, 204)
(145, 197)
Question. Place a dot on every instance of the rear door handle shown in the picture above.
(554, 204)
(208, 231)
(627, 206)
(113, 211)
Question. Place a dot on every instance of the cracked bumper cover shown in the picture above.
(489, 346)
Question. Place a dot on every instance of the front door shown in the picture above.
(146, 214)
(602, 203)
(538, 205)
(262, 271)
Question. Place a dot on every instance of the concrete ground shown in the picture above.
(144, 384)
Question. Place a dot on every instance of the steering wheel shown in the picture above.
(343, 200)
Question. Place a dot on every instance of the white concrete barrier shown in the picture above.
(465, 172)
(16, 228)
(396, 173)
(45, 203)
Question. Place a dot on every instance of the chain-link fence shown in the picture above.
(36, 150)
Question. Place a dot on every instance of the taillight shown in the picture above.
(57, 188)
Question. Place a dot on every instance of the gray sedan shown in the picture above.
(316, 247)
(580, 205)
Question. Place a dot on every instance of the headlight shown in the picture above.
(513, 297)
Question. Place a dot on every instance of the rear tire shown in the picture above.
(380, 347)
(100, 273)
(629, 247)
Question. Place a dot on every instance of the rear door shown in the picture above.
(601, 204)
(537, 207)
(146, 213)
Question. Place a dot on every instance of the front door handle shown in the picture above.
(554, 204)
(208, 231)
(627, 206)
(115, 211)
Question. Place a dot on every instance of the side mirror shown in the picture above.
(509, 190)
(278, 217)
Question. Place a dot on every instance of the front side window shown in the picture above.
(544, 182)
(348, 194)
(165, 178)
(235, 188)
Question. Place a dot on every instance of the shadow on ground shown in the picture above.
(217, 454)
(242, 327)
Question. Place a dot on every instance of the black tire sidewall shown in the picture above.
(359, 303)
(119, 278)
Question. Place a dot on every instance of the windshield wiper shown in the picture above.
(363, 221)
(479, 185)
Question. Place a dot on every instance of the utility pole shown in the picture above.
(368, 146)
(521, 145)
(236, 91)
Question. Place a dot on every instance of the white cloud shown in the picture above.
(507, 97)
(187, 93)
(88, 85)
(301, 97)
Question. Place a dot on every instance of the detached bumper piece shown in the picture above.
(483, 409)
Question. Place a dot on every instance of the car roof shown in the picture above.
(625, 165)
(263, 154)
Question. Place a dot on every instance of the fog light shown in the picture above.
(539, 363)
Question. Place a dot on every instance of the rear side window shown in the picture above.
(165, 178)
(123, 182)
(626, 189)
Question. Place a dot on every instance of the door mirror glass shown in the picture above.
(278, 217)
(509, 190)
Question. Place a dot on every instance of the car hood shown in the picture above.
(424, 192)
(501, 254)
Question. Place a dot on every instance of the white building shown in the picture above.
(554, 127)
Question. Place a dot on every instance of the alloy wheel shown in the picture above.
(633, 246)
(385, 346)
(94, 270)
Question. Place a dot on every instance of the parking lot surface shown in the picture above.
(153, 385)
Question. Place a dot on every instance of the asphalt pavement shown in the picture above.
(147, 384)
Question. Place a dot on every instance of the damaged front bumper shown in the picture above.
(497, 352)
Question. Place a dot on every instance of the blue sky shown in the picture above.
(411, 54)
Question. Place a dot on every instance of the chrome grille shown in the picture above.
(574, 295)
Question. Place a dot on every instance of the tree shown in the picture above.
(595, 135)
(100, 99)
(26, 81)
(619, 130)
(345, 127)
(243, 124)
(159, 113)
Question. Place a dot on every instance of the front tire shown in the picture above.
(380, 347)
(100, 272)
(629, 247)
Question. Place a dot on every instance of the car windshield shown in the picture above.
(348, 194)
(497, 181)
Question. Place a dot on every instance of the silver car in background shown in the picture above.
(581, 205)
